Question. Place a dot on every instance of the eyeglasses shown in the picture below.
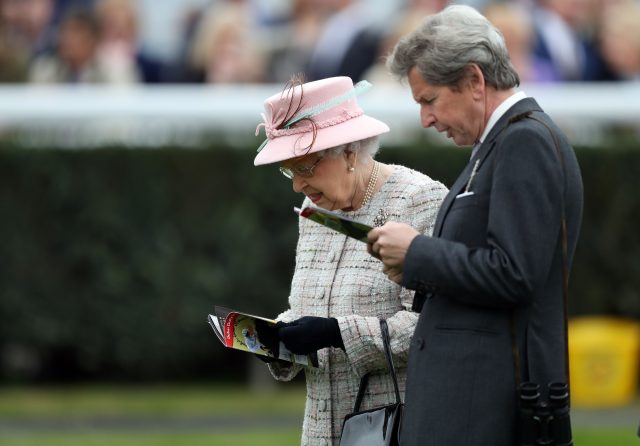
(300, 170)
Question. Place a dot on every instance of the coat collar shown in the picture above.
(526, 105)
(522, 107)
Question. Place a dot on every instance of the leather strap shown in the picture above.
(565, 261)
(386, 339)
(384, 329)
(565, 266)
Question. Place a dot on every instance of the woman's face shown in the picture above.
(331, 184)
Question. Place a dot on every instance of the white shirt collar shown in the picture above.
(501, 110)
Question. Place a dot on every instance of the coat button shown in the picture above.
(323, 405)
(320, 294)
(324, 443)
(419, 343)
(332, 256)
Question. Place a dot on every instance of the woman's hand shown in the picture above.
(309, 334)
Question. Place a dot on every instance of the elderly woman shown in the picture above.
(325, 145)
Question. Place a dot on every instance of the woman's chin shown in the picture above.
(324, 204)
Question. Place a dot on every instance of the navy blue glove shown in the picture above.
(268, 337)
(309, 334)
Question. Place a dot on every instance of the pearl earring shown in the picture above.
(351, 169)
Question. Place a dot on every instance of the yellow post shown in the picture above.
(603, 355)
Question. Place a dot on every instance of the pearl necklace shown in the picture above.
(373, 179)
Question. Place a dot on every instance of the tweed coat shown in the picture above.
(494, 259)
(335, 277)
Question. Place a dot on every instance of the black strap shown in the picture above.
(565, 261)
(565, 264)
(386, 341)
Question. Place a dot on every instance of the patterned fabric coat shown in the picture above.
(336, 277)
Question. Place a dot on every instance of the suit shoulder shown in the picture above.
(533, 125)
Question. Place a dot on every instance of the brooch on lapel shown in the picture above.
(381, 218)
(467, 189)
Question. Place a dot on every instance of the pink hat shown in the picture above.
(330, 103)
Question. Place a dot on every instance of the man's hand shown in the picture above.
(390, 244)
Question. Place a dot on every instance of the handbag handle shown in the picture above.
(384, 329)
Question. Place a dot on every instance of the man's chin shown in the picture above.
(458, 141)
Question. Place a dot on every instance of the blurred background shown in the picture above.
(129, 204)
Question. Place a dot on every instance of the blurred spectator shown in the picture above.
(243, 41)
(480, 5)
(601, 6)
(166, 27)
(225, 47)
(408, 19)
(422, 8)
(563, 39)
(348, 43)
(74, 59)
(118, 48)
(28, 24)
(13, 61)
(14, 65)
(26, 28)
(292, 43)
(516, 26)
(619, 38)
(179, 68)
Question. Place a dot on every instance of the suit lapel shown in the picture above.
(459, 184)
(522, 107)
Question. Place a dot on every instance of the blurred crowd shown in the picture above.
(253, 41)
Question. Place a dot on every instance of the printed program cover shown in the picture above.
(243, 331)
(335, 221)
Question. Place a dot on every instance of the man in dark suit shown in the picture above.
(489, 281)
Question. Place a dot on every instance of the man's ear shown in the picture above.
(475, 80)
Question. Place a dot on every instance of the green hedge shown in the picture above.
(112, 258)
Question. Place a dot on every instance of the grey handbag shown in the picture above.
(379, 426)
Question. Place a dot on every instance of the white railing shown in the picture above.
(90, 116)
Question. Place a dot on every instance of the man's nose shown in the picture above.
(426, 118)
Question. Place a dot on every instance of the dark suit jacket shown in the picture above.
(495, 256)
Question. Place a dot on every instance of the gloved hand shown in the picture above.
(268, 337)
(309, 334)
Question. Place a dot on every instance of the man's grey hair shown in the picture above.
(368, 146)
(446, 43)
